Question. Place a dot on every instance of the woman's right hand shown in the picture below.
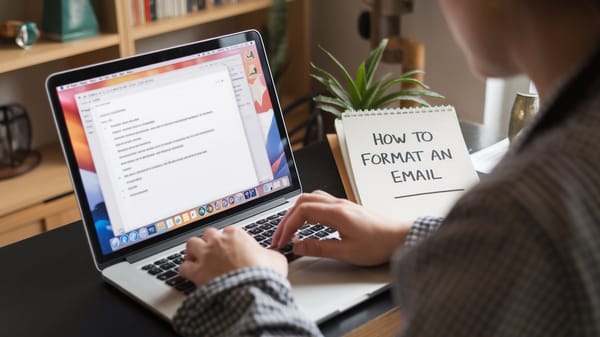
(366, 238)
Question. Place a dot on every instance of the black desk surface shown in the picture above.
(50, 287)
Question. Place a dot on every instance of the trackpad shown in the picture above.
(324, 287)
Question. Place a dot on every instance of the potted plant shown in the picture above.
(362, 92)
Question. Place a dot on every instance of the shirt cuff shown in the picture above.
(421, 229)
(245, 302)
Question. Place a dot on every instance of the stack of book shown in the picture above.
(143, 11)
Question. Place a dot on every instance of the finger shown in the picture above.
(210, 234)
(185, 269)
(319, 248)
(281, 236)
(193, 248)
(324, 194)
(237, 234)
(333, 215)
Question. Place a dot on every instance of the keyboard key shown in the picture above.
(167, 266)
(321, 234)
(261, 221)
(271, 217)
(178, 260)
(147, 267)
(259, 238)
(270, 233)
(255, 231)
(275, 222)
(288, 248)
(266, 227)
(186, 287)
(307, 232)
(182, 252)
(161, 261)
(176, 281)
(154, 271)
(166, 275)
(317, 227)
(250, 226)
(330, 230)
(282, 213)
(173, 256)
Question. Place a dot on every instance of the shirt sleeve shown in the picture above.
(421, 229)
(489, 270)
(245, 302)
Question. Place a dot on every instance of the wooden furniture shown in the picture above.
(38, 200)
(43, 199)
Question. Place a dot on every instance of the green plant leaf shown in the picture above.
(413, 81)
(337, 113)
(420, 92)
(360, 79)
(360, 93)
(403, 79)
(332, 101)
(398, 96)
(373, 60)
(331, 84)
(412, 72)
(374, 91)
(355, 95)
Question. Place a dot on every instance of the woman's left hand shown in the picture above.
(217, 253)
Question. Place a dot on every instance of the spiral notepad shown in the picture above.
(406, 162)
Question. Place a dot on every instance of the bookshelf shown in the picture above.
(206, 15)
(46, 51)
(42, 199)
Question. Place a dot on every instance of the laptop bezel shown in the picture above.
(110, 67)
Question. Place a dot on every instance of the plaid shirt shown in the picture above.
(519, 255)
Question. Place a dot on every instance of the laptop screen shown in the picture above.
(180, 138)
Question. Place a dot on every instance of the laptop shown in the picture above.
(162, 145)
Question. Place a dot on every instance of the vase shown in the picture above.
(524, 109)
(66, 20)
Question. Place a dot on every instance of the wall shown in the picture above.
(334, 27)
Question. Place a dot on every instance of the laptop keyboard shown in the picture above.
(262, 230)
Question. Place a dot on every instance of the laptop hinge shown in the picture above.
(162, 246)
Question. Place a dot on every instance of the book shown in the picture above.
(407, 162)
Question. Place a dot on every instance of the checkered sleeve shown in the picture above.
(245, 302)
(488, 271)
(421, 229)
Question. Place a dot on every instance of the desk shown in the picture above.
(50, 287)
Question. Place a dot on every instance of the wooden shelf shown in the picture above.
(209, 14)
(47, 181)
(13, 57)
(39, 200)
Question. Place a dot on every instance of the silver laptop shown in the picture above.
(162, 145)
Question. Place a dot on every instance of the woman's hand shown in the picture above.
(366, 238)
(217, 253)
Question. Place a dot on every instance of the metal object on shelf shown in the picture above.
(24, 33)
(16, 156)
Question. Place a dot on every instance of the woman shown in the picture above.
(518, 255)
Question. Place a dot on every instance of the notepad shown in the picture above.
(406, 162)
